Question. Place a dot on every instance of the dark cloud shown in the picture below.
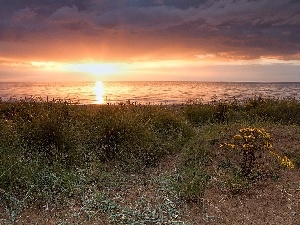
(181, 4)
(234, 29)
(253, 28)
(24, 14)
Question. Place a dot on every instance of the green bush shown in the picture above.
(199, 114)
(116, 134)
(192, 183)
(193, 178)
(285, 111)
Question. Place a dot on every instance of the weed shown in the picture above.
(221, 112)
(192, 182)
(14, 205)
(192, 176)
(199, 114)
(252, 143)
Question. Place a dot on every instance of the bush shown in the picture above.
(193, 179)
(252, 143)
(116, 134)
(284, 111)
(192, 183)
(199, 114)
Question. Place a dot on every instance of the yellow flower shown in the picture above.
(275, 154)
(242, 130)
(237, 137)
(285, 161)
(247, 146)
(231, 146)
(268, 145)
(250, 138)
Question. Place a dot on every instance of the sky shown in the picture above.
(194, 40)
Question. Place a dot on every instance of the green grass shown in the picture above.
(52, 152)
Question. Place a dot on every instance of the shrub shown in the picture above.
(274, 110)
(192, 183)
(129, 135)
(221, 112)
(51, 137)
(199, 114)
(126, 139)
(171, 129)
(252, 143)
(193, 179)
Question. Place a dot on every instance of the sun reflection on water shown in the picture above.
(99, 91)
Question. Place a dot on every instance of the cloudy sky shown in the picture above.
(205, 40)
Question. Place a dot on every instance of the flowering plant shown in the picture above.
(252, 142)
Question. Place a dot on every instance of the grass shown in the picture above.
(57, 155)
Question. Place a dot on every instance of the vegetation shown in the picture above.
(57, 154)
(252, 142)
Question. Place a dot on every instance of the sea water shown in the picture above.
(146, 92)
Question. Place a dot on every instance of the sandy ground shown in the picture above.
(269, 203)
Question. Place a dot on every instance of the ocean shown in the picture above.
(176, 92)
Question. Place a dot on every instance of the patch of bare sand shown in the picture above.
(273, 202)
(68, 215)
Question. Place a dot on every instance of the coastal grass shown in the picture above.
(56, 154)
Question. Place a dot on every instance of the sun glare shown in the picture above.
(45, 65)
(99, 92)
(93, 68)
